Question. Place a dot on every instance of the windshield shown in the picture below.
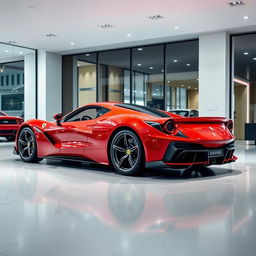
(144, 109)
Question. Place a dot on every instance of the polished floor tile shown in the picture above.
(55, 208)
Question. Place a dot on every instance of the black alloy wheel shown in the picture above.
(27, 146)
(126, 153)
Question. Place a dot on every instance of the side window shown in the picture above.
(87, 114)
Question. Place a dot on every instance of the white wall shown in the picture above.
(49, 84)
(214, 74)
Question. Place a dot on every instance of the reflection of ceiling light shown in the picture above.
(139, 64)
(188, 64)
(151, 67)
(129, 35)
(6, 51)
(140, 49)
(87, 54)
(105, 26)
(156, 17)
(20, 52)
(246, 17)
(175, 61)
(50, 35)
(254, 58)
(72, 43)
(176, 27)
(246, 53)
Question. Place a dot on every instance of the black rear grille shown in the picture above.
(7, 132)
(8, 121)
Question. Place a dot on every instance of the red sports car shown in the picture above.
(9, 126)
(128, 137)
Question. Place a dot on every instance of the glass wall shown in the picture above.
(17, 81)
(244, 82)
(163, 76)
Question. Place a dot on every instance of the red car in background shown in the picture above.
(9, 126)
(128, 137)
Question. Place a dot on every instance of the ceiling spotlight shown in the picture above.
(175, 60)
(169, 81)
(188, 65)
(236, 3)
(246, 53)
(151, 67)
(50, 35)
(254, 58)
(87, 54)
(195, 88)
(140, 49)
(189, 87)
(156, 17)
(162, 70)
(72, 43)
(176, 27)
(6, 51)
(139, 64)
(129, 35)
(20, 52)
(78, 64)
(246, 17)
(105, 26)
(182, 85)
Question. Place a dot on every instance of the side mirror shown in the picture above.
(58, 117)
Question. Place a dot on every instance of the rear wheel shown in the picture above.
(27, 146)
(126, 153)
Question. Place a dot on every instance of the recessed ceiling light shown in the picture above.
(20, 52)
(78, 64)
(246, 17)
(128, 34)
(156, 17)
(151, 67)
(162, 70)
(246, 53)
(254, 58)
(195, 88)
(175, 60)
(236, 3)
(188, 64)
(87, 54)
(72, 43)
(139, 64)
(105, 26)
(6, 51)
(140, 49)
(50, 35)
(189, 87)
(176, 27)
(169, 81)
(182, 85)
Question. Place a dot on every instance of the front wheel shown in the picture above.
(27, 146)
(126, 153)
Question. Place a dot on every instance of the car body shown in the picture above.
(128, 137)
(185, 112)
(9, 125)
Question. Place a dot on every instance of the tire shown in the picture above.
(126, 153)
(10, 138)
(27, 147)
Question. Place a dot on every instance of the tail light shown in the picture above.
(19, 121)
(230, 125)
(169, 127)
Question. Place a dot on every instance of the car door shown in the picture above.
(74, 130)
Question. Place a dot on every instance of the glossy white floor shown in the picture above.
(53, 208)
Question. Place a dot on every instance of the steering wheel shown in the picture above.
(84, 118)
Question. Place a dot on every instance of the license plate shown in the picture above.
(216, 153)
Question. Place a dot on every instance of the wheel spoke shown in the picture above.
(134, 148)
(22, 142)
(23, 150)
(119, 148)
(26, 136)
(130, 161)
(125, 140)
(121, 160)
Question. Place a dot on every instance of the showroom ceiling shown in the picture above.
(67, 26)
